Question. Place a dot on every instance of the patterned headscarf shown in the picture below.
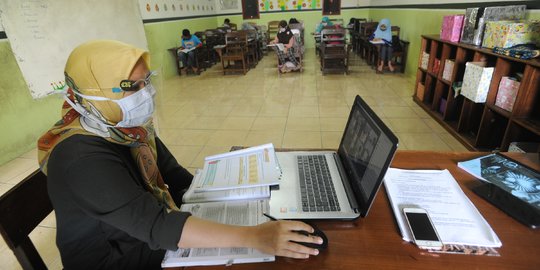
(96, 68)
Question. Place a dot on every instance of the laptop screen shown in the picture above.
(366, 150)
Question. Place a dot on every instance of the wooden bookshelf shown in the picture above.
(479, 126)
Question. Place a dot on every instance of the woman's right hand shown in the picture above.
(274, 237)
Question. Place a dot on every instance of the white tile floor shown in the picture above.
(207, 114)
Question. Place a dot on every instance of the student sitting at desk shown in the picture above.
(187, 52)
(286, 37)
(115, 186)
(324, 22)
(384, 33)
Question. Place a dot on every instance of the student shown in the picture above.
(115, 186)
(227, 23)
(286, 37)
(324, 22)
(188, 59)
(384, 33)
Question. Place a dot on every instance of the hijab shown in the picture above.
(96, 69)
(386, 34)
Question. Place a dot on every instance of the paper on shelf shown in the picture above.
(250, 167)
(245, 213)
(455, 217)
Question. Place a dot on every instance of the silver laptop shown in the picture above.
(336, 185)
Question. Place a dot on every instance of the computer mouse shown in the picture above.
(316, 232)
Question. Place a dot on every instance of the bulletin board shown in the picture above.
(42, 33)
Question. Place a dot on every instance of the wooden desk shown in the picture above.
(375, 242)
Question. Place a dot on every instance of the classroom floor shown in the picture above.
(207, 114)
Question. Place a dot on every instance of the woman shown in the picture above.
(384, 33)
(286, 37)
(187, 52)
(114, 185)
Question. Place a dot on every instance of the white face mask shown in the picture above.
(137, 109)
(281, 30)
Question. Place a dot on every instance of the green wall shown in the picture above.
(24, 119)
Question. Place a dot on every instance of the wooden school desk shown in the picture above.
(374, 242)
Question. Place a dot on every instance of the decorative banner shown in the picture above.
(277, 5)
(163, 9)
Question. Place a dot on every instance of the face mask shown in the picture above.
(137, 108)
(281, 30)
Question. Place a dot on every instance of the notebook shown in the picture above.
(353, 174)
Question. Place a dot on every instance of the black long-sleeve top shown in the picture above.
(106, 219)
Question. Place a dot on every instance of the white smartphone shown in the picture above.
(424, 233)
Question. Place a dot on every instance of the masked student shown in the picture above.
(287, 59)
(115, 187)
(188, 60)
(384, 33)
(324, 22)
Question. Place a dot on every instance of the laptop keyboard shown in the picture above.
(316, 186)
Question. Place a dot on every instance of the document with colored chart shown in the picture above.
(251, 167)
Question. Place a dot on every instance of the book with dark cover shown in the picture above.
(509, 185)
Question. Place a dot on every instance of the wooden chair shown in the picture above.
(213, 38)
(233, 26)
(334, 53)
(366, 30)
(22, 208)
(253, 48)
(236, 47)
(273, 28)
(399, 55)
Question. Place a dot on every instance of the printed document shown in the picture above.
(247, 213)
(280, 46)
(250, 167)
(262, 192)
(188, 50)
(455, 217)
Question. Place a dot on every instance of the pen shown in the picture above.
(270, 217)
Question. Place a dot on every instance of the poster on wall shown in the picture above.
(163, 9)
(42, 34)
(228, 4)
(331, 7)
(250, 9)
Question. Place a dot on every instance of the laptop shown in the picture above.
(336, 185)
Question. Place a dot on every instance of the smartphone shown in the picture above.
(424, 233)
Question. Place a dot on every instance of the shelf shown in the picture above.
(449, 83)
(529, 124)
(480, 126)
(498, 110)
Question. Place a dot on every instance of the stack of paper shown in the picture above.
(232, 188)
(246, 213)
(456, 219)
(250, 167)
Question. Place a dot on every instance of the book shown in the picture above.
(280, 46)
(455, 217)
(190, 196)
(188, 50)
(376, 41)
(507, 174)
(250, 167)
(247, 213)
